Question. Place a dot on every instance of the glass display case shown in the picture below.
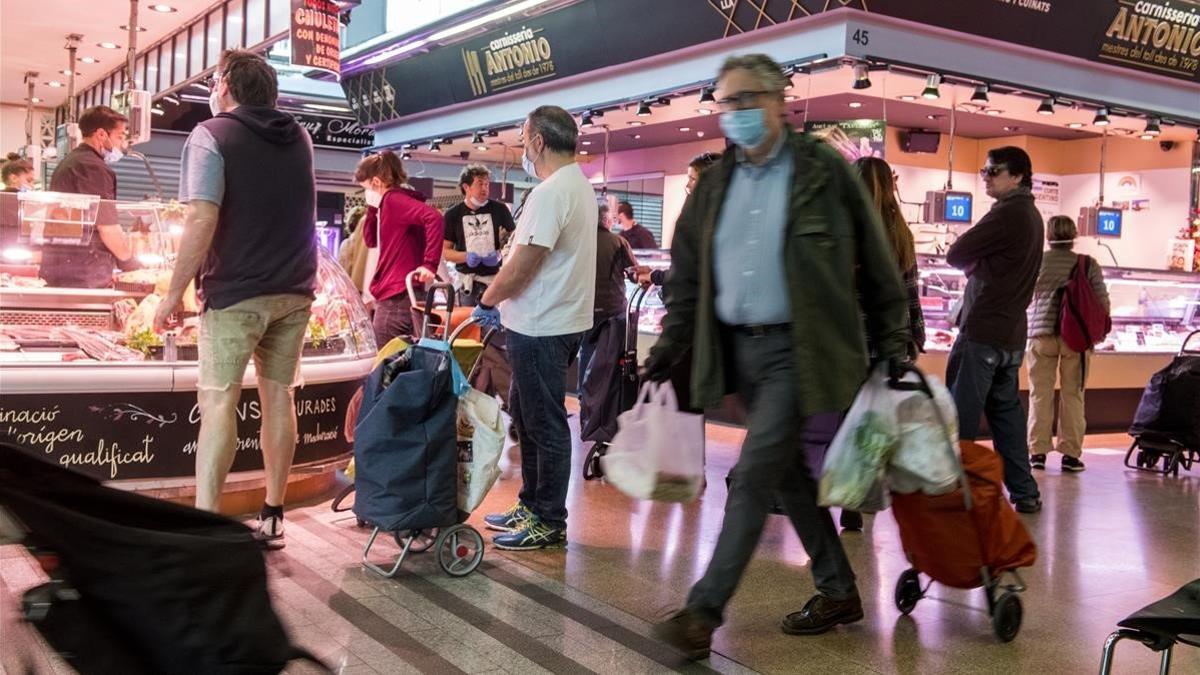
(1152, 310)
(40, 322)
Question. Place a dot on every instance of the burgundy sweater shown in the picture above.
(408, 233)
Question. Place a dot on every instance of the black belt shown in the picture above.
(762, 329)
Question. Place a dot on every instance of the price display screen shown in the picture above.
(958, 207)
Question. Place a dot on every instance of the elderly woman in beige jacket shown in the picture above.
(1048, 353)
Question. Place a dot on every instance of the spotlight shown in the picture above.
(994, 112)
(1147, 137)
(706, 96)
(855, 104)
(1047, 106)
(862, 76)
(1152, 127)
(585, 122)
(981, 94)
(932, 85)
(410, 146)
(704, 111)
(434, 146)
(908, 97)
(477, 138)
(481, 147)
(406, 156)
(644, 110)
(1075, 125)
(1101, 118)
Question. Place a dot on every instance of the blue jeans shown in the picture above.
(984, 380)
(538, 408)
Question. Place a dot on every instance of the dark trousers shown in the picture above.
(393, 318)
(587, 346)
(984, 380)
(772, 467)
(538, 407)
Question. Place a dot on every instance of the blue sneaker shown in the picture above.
(509, 521)
(534, 534)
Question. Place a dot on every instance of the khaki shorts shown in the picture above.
(270, 328)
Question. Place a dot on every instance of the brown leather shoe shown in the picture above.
(688, 633)
(822, 613)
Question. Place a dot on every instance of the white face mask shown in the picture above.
(113, 156)
(373, 197)
(474, 204)
(214, 102)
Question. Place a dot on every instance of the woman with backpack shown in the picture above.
(1048, 354)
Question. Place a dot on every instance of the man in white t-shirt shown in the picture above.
(544, 293)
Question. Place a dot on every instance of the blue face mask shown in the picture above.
(746, 128)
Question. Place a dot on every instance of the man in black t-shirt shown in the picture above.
(476, 229)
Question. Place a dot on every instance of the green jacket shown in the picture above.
(840, 273)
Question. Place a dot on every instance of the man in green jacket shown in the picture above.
(781, 274)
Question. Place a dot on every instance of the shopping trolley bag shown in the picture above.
(481, 434)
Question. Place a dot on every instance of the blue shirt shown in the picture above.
(748, 249)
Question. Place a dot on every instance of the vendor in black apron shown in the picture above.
(85, 171)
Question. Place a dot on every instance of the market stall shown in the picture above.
(89, 385)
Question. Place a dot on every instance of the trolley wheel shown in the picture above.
(591, 463)
(459, 550)
(908, 591)
(338, 505)
(422, 540)
(1006, 616)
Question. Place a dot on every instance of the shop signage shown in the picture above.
(1152, 36)
(336, 132)
(316, 35)
(115, 436)
(854, 139)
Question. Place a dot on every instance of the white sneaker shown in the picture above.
(270, 533)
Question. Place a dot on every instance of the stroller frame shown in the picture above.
(629, 367)
(458, 548)
(1003, 599)
(1153, 449)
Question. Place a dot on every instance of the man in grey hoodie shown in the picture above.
(249, 243)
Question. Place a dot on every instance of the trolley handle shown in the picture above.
(1183, 349)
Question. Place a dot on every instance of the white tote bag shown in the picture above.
(481, 434)
(658, 452)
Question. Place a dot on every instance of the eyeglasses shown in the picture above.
(741, 100)
(992, 171)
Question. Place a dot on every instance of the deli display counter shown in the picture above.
(86, 383)
(1152, 310)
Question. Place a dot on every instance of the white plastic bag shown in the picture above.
(481, 434)
(658, 451)
(853, 474)
(927, 456)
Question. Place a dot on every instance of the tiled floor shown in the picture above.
(1111, 540)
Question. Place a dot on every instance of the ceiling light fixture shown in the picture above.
(406, 155)
(434, 146)
(409, 146)
(636, 123)
(636, 136)
(644, 110)
(171, 99)
(932, 87)
(981, 94)
(585, 122)
(1147, 137)
(789, 99)
(140, 29)
(1152, 127)
(157, 111)
(67, 72)
(855, 104)
(36, 99)
(703, 111)
(1101, 118)
(994, 112)
(89, 59)
(1075, 125)
(583, 152)
(706, 95)
(164, 9)
(1047, 106)
(1012, 128)
(585, 142)
(699, 134)
(685, 129)
(54, 83)
(862, 76)
(908, 97)
(477, 138)
(108, 45)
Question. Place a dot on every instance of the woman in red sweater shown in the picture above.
(408, 233)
